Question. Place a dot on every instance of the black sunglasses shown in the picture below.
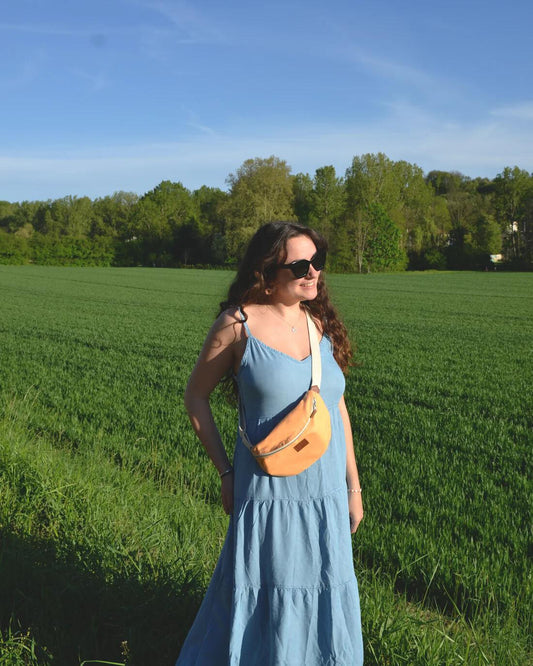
(300, 268)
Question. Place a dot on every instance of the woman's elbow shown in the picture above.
(188, 398)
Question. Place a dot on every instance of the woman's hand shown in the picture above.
(226, 492)
(355, 507)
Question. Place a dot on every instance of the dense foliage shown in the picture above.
(382, 216)
(110, 517)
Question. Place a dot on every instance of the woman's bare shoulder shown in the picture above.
(231, 314)
(228, 326)
(252, 307)
(253, 310)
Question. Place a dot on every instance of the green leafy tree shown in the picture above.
(24, 213)
(7, 215)
(210, 235)
(400, 188)
(79, 217)
(486, 236)
(209, 203)
(370, 241)
(459, 192)
(414, 211)
(511, 187)
(359, 229)
(156, 221)
(302, 191)
(25, 231)
(370, 179)
(469, 209)
(431, 238)
(47, 223)
(173, 203)
(328, 200)
(513, 194)
(13, 248)
(261, 191)
(343, 256)
(151, 233)
(190, 244)
(68, 216)
(445, 182)
(112, 215)
(384, 249)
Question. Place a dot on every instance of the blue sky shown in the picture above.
(107, 95)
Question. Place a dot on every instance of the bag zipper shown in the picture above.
(296, 437)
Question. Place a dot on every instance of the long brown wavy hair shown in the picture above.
(257, 272)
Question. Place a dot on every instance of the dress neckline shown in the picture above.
(278, 351)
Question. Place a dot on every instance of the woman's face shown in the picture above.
(288, 289)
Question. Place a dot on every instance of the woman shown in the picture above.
(284, 590)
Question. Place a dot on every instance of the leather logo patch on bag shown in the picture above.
(301, 445)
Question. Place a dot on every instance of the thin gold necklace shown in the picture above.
(292, 327)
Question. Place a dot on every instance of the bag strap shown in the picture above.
(242, 431)
(316, 375)
(316, 361)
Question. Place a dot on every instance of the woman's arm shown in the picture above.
(355, 499)
(217, 357)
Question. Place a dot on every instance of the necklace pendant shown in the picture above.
(293, 330)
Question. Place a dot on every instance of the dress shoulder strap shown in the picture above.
(245, 323)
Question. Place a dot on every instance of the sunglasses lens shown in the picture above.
(319, 260)
(300, 268)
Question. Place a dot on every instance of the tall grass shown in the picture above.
(111, 524)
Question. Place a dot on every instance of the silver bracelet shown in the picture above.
(355, 490)
(226, 471)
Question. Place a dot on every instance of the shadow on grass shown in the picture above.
(74, 613)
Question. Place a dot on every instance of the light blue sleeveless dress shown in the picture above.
(284, 591)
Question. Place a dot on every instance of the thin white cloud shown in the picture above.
(520, 111)
(195, 122)
(403, 79)
(95, 33)
(100, 35)
(41, 29)
(97, 81)
(396, 70)
(201, 128)
(356, 46)
(26, 72)
(189, 25)
(172, 25)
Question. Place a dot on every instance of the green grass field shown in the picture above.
(109, 514)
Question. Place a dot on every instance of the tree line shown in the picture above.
(382, 215)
